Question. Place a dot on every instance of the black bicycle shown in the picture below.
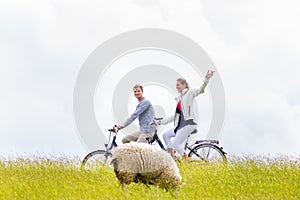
(200, 150)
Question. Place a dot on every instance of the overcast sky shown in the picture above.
(254, 44)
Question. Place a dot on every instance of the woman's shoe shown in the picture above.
(186, 158)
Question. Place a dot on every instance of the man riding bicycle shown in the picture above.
(145, 113)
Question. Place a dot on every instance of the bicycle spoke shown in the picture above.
(208, 153)
(203, 153)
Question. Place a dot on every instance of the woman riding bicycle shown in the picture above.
(184, 115)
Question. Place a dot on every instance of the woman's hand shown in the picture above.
(157, 122)
(209, 74)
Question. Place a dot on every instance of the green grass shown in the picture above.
(61, 178)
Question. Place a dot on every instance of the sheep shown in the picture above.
(141, 162)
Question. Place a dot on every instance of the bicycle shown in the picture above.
(204, 150)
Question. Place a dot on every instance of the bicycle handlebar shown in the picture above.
(114, 129)
(156, 119)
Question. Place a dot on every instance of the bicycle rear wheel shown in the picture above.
(207, 152)
(96, 159)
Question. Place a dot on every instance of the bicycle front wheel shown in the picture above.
(96, 159)
(208, 152)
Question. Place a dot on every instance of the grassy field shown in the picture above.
(61, 178)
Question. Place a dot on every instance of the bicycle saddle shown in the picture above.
(194, 131)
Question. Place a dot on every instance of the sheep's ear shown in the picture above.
(182, 184)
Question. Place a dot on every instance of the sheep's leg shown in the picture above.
(174, 192)
(124, 186)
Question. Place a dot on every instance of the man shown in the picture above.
(145, 113)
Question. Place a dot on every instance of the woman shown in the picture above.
(184, 115)
(145, 113)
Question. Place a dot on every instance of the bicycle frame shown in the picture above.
(113, 143)
(193, 149)
(190, 148)
(156, 138)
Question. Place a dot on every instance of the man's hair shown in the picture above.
(138, 86)
(183, 82)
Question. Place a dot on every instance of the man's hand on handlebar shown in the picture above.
(119, 127)
(114, 129)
